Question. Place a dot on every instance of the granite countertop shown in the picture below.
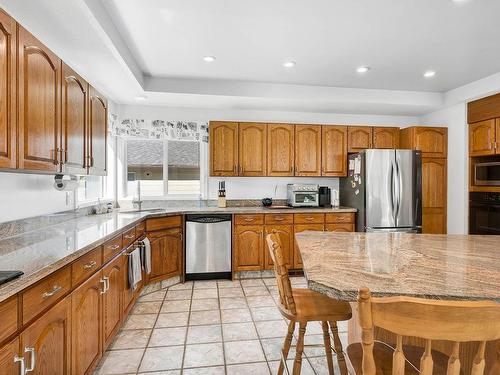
(40, 252)
(422, 265)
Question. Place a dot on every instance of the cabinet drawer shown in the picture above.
(140, 229)
(8, 322)
(112, 247)
(163, 223)
(45, 293)
(279, 218)
(86, 265)
(309, 218)
(346, 217)
(249, 219)
(128, 237)
(340, 227)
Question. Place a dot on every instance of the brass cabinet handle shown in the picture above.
(32, 359)
(114, 247)
(54, 290)
(89, 265)
(22, 366)
(249, 219)
(129, 236)
(104, 282)
(279, 218)
(56, 156)
(309, 218)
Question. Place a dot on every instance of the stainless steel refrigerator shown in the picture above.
(386, 188)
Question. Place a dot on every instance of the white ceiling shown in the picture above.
(399, 39)
(154, 48)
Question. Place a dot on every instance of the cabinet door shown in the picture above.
(307, 150)
(385, 137)
(39, 75)
(48, 338)
(223, 148)
(97, 133)
(280, 149)
(248, 250)
(297, 261)
(359, 138)
(253, 149)
(434, 193)
(86, 324)
(433, 142)
(334, 150)
(482, 138)
(285, 233)
(166, 253)
(112, 301)
(497, 136)
(74, 121)
(128, 294)
(7, 354)
(7, 91)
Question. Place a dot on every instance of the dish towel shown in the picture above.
(134, 268)
(146, 255)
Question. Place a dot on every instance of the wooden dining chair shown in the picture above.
(454, 321)
(303, 306)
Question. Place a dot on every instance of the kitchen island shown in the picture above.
(455, 267)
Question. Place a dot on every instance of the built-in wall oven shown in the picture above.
(487, 173)
(484, 213)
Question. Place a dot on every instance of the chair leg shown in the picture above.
(328, 347)
(337, 345)
(297, 365)
(286, 346)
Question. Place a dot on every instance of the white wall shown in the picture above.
(455, 119)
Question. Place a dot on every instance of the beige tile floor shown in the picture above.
(210, 328)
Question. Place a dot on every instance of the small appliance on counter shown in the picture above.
(221, 202)
(325, 196)
(267, 202)
(302, 195)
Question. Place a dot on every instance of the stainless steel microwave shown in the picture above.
(487, 174)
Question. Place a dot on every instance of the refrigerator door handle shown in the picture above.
(394, 192)
(390, 189)
(399, 186)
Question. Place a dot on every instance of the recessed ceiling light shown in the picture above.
(140, 98)
(429, 74)
(289, 64)
(363, 69)
(209, 58)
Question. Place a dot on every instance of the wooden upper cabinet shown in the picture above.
(334, 150)
(86, 325)
(97, 133)
(307, 150)
(280, 149)
(252, 149)
(223, 148)
(385, 137)
(74, 122)
(39, 74)
(432, 141)
(434, 195)
(8, 44)
(359, 138)
(48, 339)
(482, 138)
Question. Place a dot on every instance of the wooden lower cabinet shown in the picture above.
(129, 295)
(166, 253)
(48, 340)
(297, 262)
(434, 193)
(248, 248)
(112, 300)
(86, 319)
(8, 353)
(285, 233)
(339, 227)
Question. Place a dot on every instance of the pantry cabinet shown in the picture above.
(223, 148)
(74, 122)
(434, 192)
(307, 150)
(97, 133)
(483, 138)
(385, 137)
(359, 138)
(46, 343)
(8, 43)
(334, 151)
(280, 150)
(252, 149)
(39, 72)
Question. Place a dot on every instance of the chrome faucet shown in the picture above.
(138, 201)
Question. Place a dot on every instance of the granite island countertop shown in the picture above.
(457, 267)
(38, 253)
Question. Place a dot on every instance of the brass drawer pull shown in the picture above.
(32, 358)
(114, 247)
(89, 265)
(309, 218)
(54, 290)
(279, 218)
(129, 236)
(249, 219)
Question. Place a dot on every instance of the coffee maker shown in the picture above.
(325, 196)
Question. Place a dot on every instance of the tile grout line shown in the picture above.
(187, 330)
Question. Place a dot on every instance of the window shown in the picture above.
(90, 188)
(163, 167)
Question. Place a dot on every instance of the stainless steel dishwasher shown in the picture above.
(208, 247)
